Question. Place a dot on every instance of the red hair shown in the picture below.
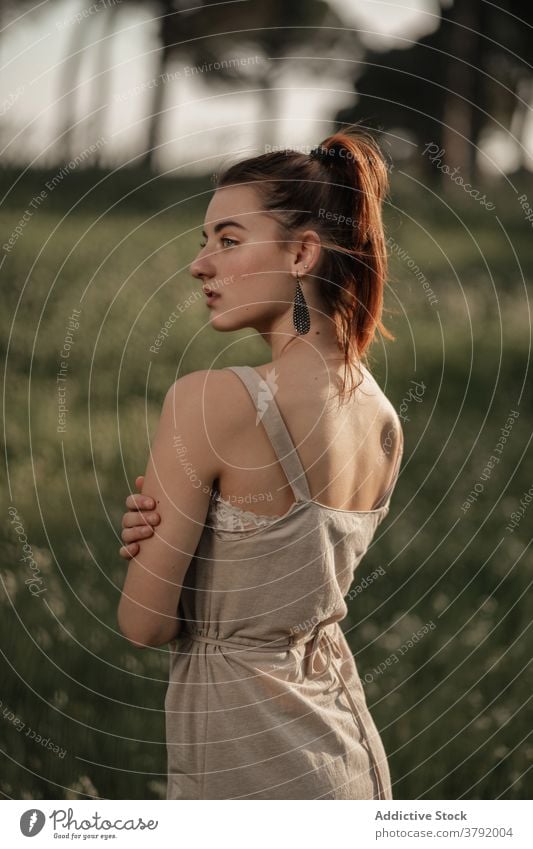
(338, 191)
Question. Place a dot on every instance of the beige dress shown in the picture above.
(249, 713)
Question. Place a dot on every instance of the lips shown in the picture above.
(210, 296)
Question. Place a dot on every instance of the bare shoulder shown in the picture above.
(392, 441)
(209, 385)
(211, 399)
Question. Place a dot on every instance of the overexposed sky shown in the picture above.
(385, 24)
(204, 119)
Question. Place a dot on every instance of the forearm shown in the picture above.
(145, 630)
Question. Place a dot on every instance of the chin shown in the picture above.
(226, 322)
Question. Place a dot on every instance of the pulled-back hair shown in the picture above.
(336, 190)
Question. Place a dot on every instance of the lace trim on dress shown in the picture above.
(226, 517)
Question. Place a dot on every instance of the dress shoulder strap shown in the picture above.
(268, 413)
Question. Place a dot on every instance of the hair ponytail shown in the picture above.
(338, 189)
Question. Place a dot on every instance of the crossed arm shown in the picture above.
(147, 611)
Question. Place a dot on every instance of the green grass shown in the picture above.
(452, 710)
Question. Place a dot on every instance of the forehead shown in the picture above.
(238, 203)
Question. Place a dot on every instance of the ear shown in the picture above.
(305, 249)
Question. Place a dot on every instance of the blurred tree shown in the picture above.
(93, 34)
(101, 84)
(452, 85)
(278, 35)
(86, 32)
(303, 31)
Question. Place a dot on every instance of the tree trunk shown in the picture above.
(267, 120)
(463, 46)
(68, 95)
(524, 91)
(101, 84)
(167, 32)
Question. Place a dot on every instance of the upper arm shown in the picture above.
(179, 476)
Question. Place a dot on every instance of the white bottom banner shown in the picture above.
(167, 823)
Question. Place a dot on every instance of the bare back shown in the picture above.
(349, 452)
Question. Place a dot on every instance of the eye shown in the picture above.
(227, 239)
(203, 244)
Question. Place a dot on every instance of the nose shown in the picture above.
(202, 266)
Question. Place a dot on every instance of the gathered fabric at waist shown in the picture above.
(236, 642)
(322, 639)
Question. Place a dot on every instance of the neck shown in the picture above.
(320, 341)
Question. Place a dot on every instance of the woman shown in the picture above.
(269, 484)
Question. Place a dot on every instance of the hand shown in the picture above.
(138, 521)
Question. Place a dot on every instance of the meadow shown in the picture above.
(441, 637)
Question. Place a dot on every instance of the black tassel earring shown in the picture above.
(300, 314)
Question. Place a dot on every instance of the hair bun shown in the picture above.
(322, 154)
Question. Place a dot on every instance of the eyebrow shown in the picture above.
(222, 224)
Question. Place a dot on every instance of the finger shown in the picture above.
(129, 551)
(132, 534)
(131, 519)
(139, 502)
(139, 517)
(139, 482)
